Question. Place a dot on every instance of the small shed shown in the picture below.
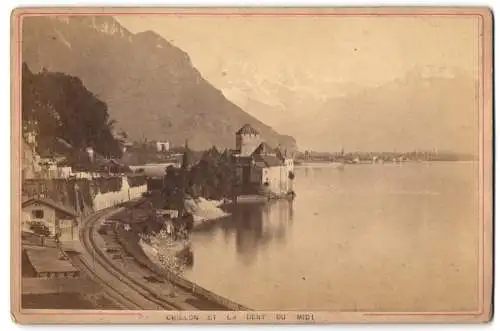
(57, 218)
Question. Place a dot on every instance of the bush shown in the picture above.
(40, 228)
(111, 184)
(134, 181)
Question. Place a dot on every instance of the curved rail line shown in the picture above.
(111, 291)
(87, 234)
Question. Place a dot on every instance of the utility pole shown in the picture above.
(78, 211)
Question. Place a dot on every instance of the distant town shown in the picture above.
(155, 152)
(162, 152)
(380, 157)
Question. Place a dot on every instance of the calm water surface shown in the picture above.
(369, 237)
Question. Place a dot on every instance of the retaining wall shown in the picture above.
(125, 193)
(93, 194)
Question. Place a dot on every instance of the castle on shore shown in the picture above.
(260, 168)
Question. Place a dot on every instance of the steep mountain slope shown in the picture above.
(149, 85)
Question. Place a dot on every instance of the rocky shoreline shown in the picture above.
(131, 243)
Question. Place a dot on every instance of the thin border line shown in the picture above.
(104, 313)
(242, 14)
(269, 14)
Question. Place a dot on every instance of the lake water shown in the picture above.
(368, 237)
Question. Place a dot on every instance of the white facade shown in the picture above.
(56, 221)
(64, 172)
(31, 138)
(49, 169)
(30, 162)
(162, 146)
(277, 179)
(109, 199)
(90, 152)
(30, 158)
(84, 174)
(289, 165)
(39, 213)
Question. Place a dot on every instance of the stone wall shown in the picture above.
(87, 195)
(277, 179)
(126, 192)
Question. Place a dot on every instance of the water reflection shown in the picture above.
(253, 226)
(371, 237)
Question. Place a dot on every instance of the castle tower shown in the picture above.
(247, 140)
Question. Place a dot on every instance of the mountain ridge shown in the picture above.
(143, 78)
(437, 108)
(411, 112)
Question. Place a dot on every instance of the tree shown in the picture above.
(173, 189)
(186, 157)
(64, 108)
(40, 229)
(212, 178)
(226, 169)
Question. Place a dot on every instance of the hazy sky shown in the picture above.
(273, 60)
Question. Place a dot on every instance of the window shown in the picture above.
(37, 213)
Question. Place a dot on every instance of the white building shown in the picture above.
(162, 146)
(56, 217)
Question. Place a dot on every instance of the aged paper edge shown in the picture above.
(48, 316)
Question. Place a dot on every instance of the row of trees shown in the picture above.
(212, 177)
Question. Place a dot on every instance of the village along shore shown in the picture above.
(132, 242)
(188, 194)
(158, 230)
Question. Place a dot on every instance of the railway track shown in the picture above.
(126, 290)
(123, 301)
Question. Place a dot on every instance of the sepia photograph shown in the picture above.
(251, 165)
